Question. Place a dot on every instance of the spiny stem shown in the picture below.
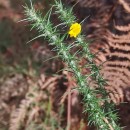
(80, 40)
(91, 102)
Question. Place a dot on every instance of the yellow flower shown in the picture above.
(74, 30)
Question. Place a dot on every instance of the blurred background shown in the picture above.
(33, 84)
(21, 64)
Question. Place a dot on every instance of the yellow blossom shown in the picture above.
(74, 30)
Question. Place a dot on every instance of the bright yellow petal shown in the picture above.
(74, 30)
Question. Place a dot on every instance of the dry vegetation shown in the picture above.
(36, 94)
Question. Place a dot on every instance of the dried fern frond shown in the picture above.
(108, 25)
(39, 98)
(25, 113)
(124, 28)
(125, 5)
(18, 117)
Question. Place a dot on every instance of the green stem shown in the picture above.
(91, 102)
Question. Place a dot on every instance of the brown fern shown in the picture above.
(125, 5)
(28, 109)
(18, 116)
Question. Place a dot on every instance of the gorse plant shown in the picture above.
(100, 110)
